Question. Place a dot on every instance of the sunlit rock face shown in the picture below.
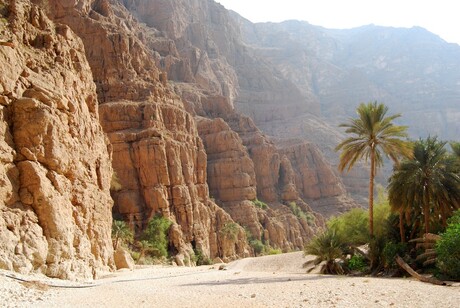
(55, 164)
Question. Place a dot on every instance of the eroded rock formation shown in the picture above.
(157, 153)
(55, 171)
(232, 173)
(165, 93)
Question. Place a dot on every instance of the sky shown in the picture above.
(438, 16)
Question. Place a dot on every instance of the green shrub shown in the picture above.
(390, 251)
(327, 246)
(357, 263)
(200, 259)
(156, 234)
(455, 219)
(376, 246)
(135, 255)
(351, 227)
(448, 249)
(382, 211)
(260, 204)
(230, 231)
(297, 211)
(274, 251)
(310, 219)
(257, 245)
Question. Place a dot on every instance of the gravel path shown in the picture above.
(271, 281)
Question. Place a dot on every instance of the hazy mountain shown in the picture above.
(412, 70)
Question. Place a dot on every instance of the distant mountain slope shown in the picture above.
(412, 70)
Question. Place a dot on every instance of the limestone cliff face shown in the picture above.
(314, 178)
(95, 68)
(232, 170)
(157, 154)
(55, 206)
(231, 175)
(241, 82)
(201, 49)
(263, 153)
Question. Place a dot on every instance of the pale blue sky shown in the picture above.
(441, 17)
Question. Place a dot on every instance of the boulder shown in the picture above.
(123, 259)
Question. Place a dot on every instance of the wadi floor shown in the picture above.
(271, 281)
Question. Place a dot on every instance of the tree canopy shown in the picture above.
(374, 136)
(427, 185)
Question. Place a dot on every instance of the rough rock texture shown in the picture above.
(157, 153)
(55, 206)
(56, 165)
(161, 164)
(263, 153)
(314, 178)
(123, 259)
(201, 51)
(232, 176)
(206, 41)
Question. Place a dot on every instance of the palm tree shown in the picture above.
(374, 135)
(456, 148)
(120, 232)
(426, 184)
(327, 246)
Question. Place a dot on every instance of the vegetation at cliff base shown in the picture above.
(299, 213)
(121, 233)
(423, 198)
(150, 245)
(230, 231)
(156, 235)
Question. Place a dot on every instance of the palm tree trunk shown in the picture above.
(415, 227)
(371, 194)
(117, 238)
(426, 210)
(444, 215)
(401, 225)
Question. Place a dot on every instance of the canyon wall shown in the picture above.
(55, 171)
(157, 153)
(180, 97)
(208, 44)
(209, 67)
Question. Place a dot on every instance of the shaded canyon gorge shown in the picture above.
(197, 113)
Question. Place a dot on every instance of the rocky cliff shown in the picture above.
(412, 71)
(166, 81)
(207, 43)
(157, 153)
(202, 59)
(55, 170)
(232, 174)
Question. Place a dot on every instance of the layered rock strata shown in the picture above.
(157, 153)
(232, 174)
(207, 43)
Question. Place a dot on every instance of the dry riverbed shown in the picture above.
(271, 281)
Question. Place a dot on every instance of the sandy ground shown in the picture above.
(271, 281)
